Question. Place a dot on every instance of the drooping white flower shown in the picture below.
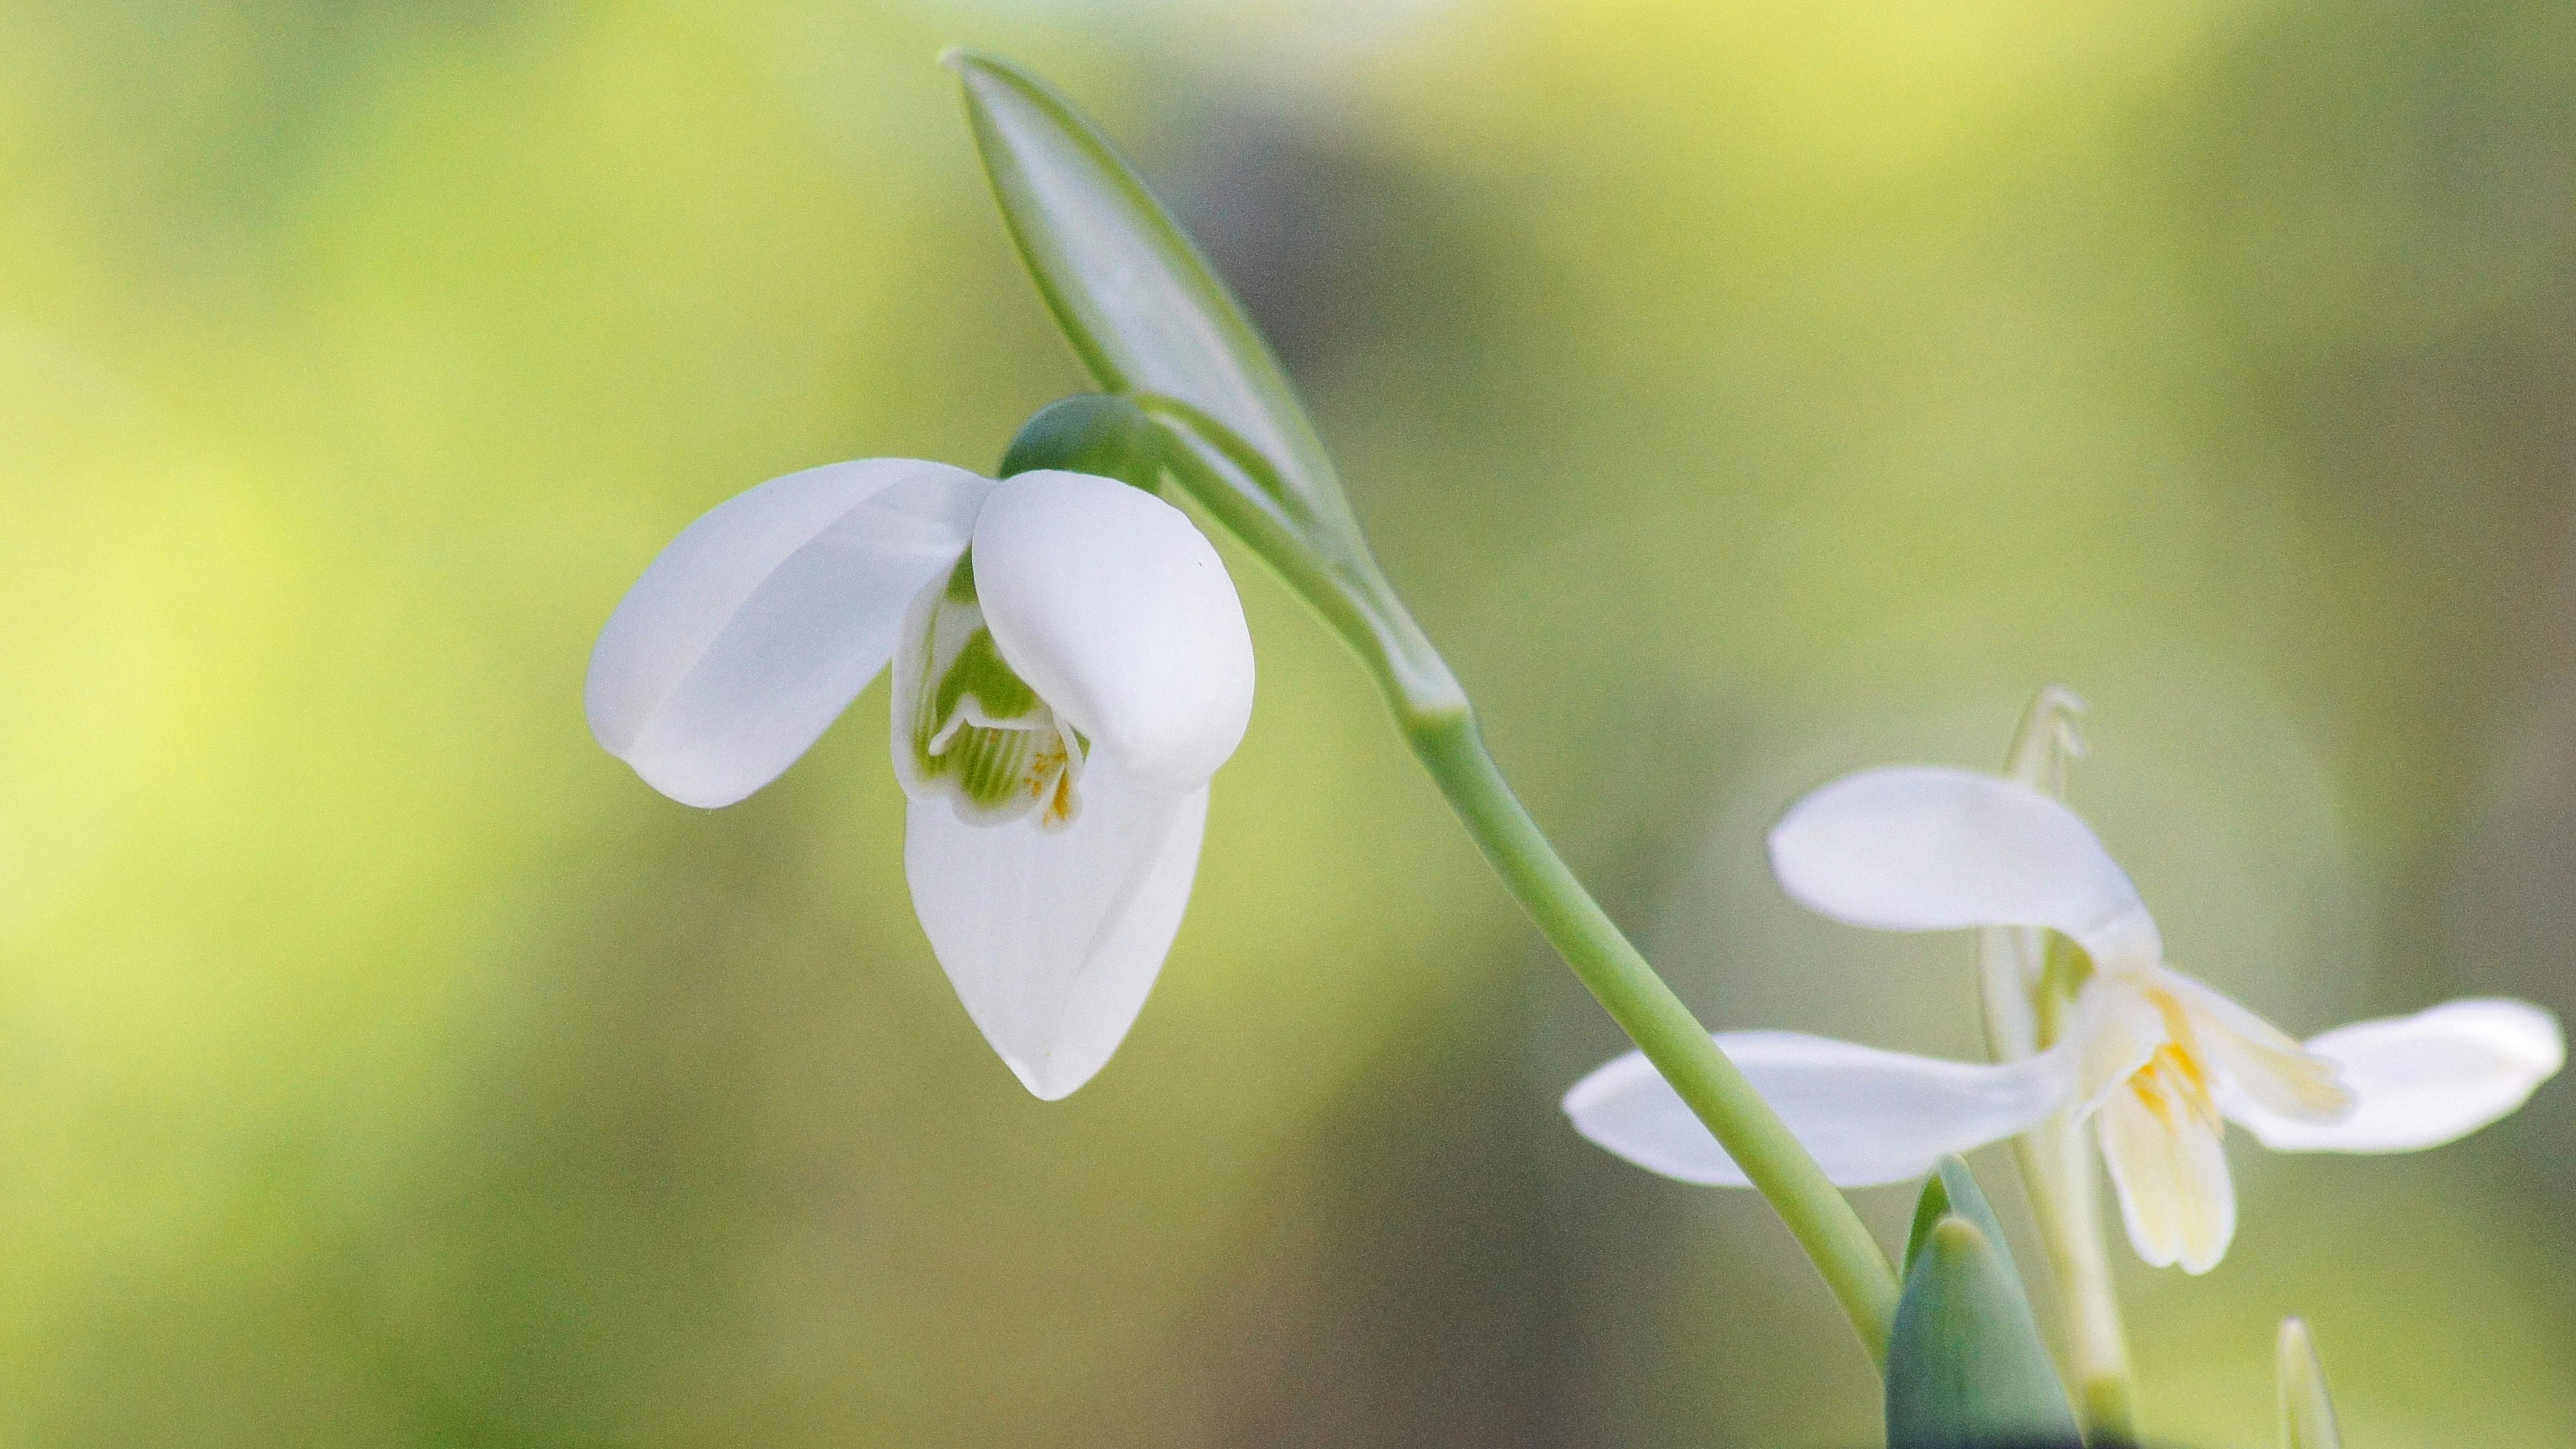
(1071, 666)
(2161, 1061)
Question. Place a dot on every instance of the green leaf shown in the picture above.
(2307, 1412)
(1965, 1367)
(1953, 1189)
(1142, 308)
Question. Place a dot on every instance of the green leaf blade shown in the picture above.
(1965, 1366)
(1952, 1188)
(2307, 1410)
(1141, 307)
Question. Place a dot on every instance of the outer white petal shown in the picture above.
(2420, 1081)
(754, 629)
(1925, 848)
(2170, 1170)
(1869, 1116)
(1053, 937)
(1116, 609)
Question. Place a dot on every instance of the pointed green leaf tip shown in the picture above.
(2307, 1412)
(1093, 433)
(1965, 1367)
(1141, 307)
(1952, 1188)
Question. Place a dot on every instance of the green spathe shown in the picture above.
(1153, 324)
(1142, 309)
(1965, 1367)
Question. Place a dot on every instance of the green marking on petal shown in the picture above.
(978, 731)
(979, 671)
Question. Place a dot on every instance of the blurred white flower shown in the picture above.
(1071, 666)
(2161, 1061)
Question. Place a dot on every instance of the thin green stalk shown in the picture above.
(2024, 1009)
(2057, 1170)
(1334, 574)
(2027, 996)
(1821, 1218)
(1153, 324)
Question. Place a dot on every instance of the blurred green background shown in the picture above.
(1743, 394)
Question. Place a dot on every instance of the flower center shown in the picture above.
(978, 730)
(2174, 1084)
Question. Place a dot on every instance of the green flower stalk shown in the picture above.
(1152, 323)
(2028, 982)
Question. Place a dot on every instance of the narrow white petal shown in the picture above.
(754, 629)
(2170, 1170)
(2256, 1059)
(1116, 609)
(2420, 1081)
(1925, 848)
(1869, 1116)
(1053, 937)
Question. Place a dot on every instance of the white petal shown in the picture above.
(2420, 1081)
(1116, 609)
(755, 628)
(2256, 1059)
(1869, 1116)
(1053, 937)
(1924, 848)
(2170, 1169)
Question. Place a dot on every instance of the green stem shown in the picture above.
(2057, 1169)
(2061, 1179)
(2029, 981)
(1330, 568)
(1821, 1218)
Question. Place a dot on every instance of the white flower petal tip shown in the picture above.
(2423, 1080)
(1117, 610)
(1870, 1117)
(752, 631)
(2169, 1166)
(1927, 848)
(1053, 938)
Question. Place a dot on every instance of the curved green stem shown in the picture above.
(1853, 1264)
(1332, 571)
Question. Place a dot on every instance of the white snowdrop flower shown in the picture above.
(1070, 667)
(2162, 1062)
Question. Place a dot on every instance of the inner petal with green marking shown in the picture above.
(977, 730)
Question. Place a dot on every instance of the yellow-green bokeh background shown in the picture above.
(1743, 394)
